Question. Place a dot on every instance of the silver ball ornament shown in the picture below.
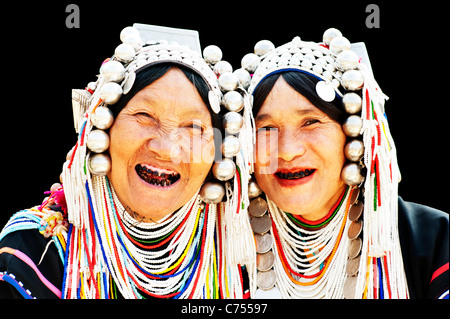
(250, 62)
(352, 103)
(233, 101)
(110, 92)
(243, 77)
(97, 141)
(253, 189)
(230, 146)
(222, 67)
(351, 174)
(339, 44)
(347, 60)
(352, 126)
(224, 170)
(354, 150)
(212, 192)
(228, 81)
(113, 71)
(99, 164)
(102, 118)
(232, 122)
(264, 46)
(134, 40)
(124, 52)
(128, 31)
(330, 34)
(352, 80)
(212, 54)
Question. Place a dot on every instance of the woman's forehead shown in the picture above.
(172, 91)
(284, 101)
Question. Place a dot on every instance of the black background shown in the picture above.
(42, 60)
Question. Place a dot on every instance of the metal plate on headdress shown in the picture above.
(189, 38)
(261, 225)
(265, 261)
(265, 280)
(354, 248)
(257, 207)
(325, 91)
(128, 82)
(355, 195)
(214, 101)
(352, 266)
(263, 243)
(350, 287)
(356, 211)
(354, 229)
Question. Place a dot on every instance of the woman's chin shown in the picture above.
(154, 200)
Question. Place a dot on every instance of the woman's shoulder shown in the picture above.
(31, 254)
(421, 213)
(424, 237)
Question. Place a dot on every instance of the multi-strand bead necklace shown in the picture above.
(299, 258)
(181, 256)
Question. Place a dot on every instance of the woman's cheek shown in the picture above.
(266, 151)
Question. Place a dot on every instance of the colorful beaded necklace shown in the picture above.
(181, 256)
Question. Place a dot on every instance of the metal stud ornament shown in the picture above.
(224, 170)
(212, 192)
(99, 164)
(102, 118)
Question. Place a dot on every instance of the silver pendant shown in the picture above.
(325, 91)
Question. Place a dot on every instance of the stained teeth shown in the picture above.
(296, 175)
(155, 178)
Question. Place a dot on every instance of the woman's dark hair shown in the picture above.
(303, 83)
(152, 73)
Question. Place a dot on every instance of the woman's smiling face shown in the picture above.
(162, 147)
(299, 153)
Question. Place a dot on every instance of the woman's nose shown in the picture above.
(165, 147)
(290, 145)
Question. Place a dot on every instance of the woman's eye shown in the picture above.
(311, 122)
(196, 127)
(143, 114)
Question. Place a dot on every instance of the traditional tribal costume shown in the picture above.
(371, 244)
(82, 243)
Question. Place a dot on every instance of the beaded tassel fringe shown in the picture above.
(241, 244)
(381, 253)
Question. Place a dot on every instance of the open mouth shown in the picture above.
(157, 176)
(299, 174)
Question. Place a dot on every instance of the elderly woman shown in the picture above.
(329, 223)
(142, 207)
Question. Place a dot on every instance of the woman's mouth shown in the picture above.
(299, 174)
(157, 176)
(294, 177)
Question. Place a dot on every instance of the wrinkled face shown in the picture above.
(162, 147)
(299, 154)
